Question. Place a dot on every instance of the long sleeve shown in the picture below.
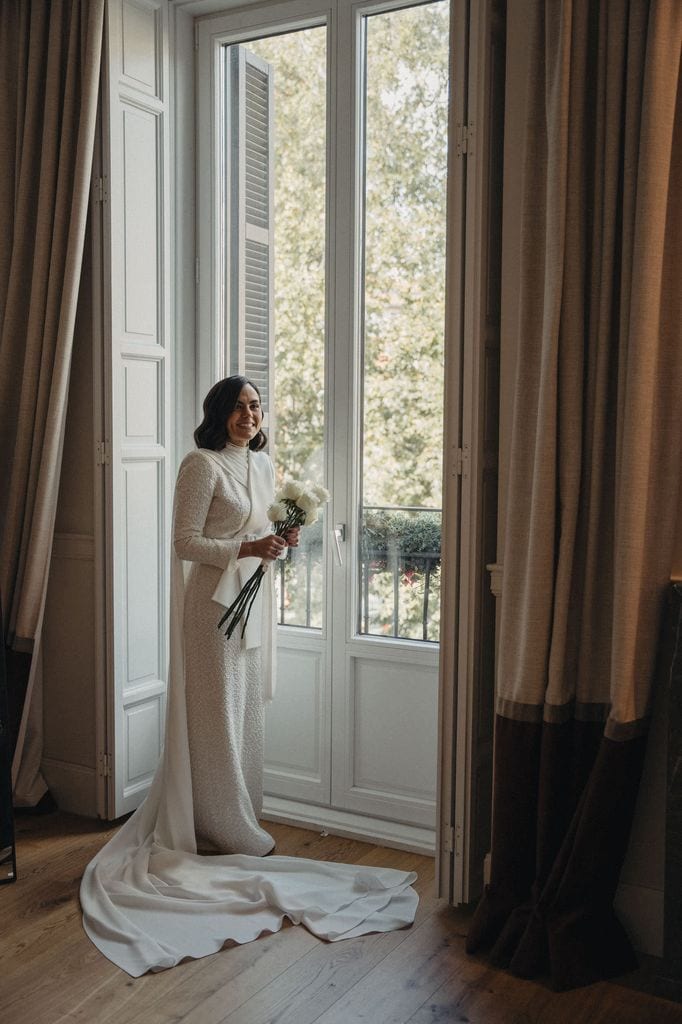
(193, 495)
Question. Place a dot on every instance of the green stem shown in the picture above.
(238, 606)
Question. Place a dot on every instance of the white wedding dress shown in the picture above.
(149, 899)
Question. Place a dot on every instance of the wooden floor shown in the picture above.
(50, 973)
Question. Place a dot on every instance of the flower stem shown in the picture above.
(244, 599)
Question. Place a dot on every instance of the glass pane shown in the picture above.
(299, 63)
(406, 94)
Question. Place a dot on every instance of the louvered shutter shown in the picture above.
(251, 222)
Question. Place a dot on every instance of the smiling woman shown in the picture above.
(221, 527)
(148, 898)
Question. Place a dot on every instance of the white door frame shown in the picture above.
(463, 426)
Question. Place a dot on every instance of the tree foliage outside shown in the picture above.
(406, 136)
(402, 347)
(299, 64)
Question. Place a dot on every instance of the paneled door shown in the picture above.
(135, 447)
(357, 124)
(387, 522)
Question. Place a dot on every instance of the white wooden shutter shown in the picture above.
(471, 448)
(136, 381)
(250, 260)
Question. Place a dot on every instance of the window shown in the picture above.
(346, 146)
(273, 181)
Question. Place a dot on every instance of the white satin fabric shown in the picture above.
(149, 900)
(257, 476)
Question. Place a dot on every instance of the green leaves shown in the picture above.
(407, 106)
(400, 534)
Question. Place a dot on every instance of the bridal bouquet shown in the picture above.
(295, 504)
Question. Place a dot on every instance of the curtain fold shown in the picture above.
(50, 53)
(594, 476)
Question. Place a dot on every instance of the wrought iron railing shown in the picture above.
(399, 574)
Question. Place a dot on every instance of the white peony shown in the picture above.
(321, 493)
(277, 512)
(310, 518)
(291, 489)
(307, 501)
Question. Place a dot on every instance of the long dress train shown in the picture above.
(148, 899)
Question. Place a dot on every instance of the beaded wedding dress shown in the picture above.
(149, 899)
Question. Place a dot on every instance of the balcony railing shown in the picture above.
(399, 575)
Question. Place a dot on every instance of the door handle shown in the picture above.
(339, 533)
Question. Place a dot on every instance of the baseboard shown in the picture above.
(398, 836)
(641, 911)
(73, 786)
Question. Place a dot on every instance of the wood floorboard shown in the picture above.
(320, 978)
(50, 973)
(402, 980)
(235, 975)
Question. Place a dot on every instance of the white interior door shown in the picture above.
(136, 406)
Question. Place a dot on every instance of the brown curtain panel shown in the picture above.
(594, 474)
(50, 54)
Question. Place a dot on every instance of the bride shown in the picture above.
(148, 898)
(221, 527)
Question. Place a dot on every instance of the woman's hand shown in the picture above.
(292, 535)
(268, 547)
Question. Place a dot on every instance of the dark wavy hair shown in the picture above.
(219, 403)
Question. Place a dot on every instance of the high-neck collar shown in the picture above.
(236, 459)
(241, 449)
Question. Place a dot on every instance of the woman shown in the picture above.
(149, 899)
(221, 527)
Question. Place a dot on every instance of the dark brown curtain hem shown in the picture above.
(564, 803)
(18, 666)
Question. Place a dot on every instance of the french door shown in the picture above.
(338, 153)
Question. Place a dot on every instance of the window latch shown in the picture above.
(339, 533)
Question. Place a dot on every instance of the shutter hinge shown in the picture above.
(196, 270)
(462, 461)
(102, 454)
(464, 137)
(100, 194)
(105, 765)
(452, 841)
(458, 841)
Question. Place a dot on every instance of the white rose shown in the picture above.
(277, 512)
(321, 493)
(307, 502)
(291, 489)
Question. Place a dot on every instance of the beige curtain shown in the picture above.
(594, 475)
(595, 463)
(50, 54)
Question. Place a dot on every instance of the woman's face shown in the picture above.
(244, 421)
